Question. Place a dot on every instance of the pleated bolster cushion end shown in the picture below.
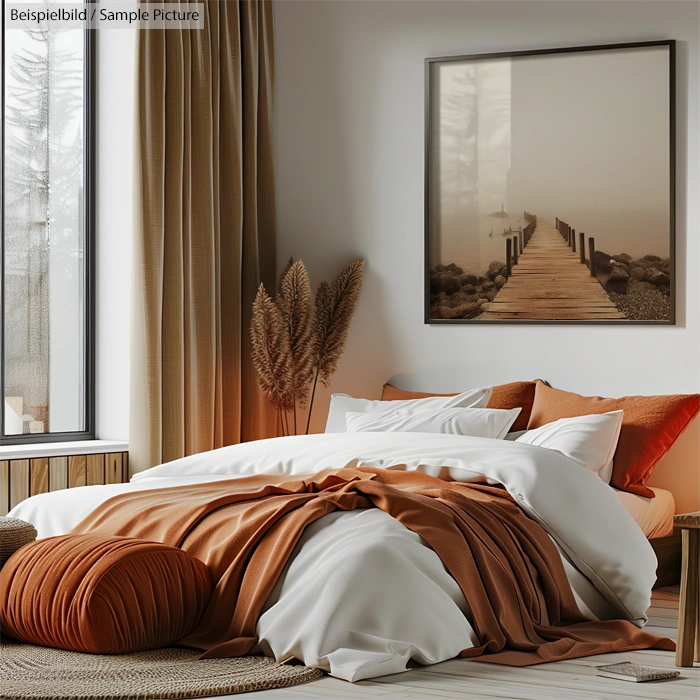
(103, 595)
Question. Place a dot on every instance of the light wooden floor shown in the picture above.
(563, 680)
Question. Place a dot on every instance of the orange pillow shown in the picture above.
(650, 425)
(103, 595)
(506, 396)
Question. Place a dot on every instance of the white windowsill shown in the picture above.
(62, 449)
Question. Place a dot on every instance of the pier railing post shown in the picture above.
(568, 234)
(557, 222)
(515, 250)
(591, 254)
(573, 240)
(509, 256)
(582, 247)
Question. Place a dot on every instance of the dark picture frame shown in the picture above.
(606, 179)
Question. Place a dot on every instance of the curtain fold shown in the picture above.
(205, 231)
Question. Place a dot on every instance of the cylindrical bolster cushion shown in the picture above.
(105, 595)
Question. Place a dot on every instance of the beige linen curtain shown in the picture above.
(205, 231)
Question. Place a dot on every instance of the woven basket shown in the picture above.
(14, 533)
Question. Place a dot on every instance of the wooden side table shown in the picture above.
(688, 644)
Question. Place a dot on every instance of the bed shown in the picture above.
(655, 518)
(653, 515)
(340, 601)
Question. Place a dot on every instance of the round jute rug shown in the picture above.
(37, 673)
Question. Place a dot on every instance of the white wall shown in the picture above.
(350, 101)
(115, 133)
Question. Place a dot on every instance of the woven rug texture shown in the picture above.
(31, 672)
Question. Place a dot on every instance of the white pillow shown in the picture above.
(475, 422)
(342, 404)
(591, 440)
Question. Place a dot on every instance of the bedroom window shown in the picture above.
(46, 287)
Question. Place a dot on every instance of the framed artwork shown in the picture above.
(549, 186)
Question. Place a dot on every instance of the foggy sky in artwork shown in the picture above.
(583, 136)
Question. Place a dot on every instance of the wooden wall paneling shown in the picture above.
(39, 476)
(4, 488)
(19, 481)
(113, 468)
(58, 473)
(22, 478)
(95, 469)
(76, 471)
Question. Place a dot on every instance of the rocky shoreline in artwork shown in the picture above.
(639, 288)
(454, 294)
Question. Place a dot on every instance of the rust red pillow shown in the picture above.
(650, 425)
(103, 595)
(505, 396)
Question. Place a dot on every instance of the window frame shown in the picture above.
(90, 143)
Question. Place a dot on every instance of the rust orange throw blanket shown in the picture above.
(244, 530)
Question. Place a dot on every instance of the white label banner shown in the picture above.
(108, 15)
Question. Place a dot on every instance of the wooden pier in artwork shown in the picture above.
(548, 280)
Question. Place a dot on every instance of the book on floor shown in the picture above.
(635, 673)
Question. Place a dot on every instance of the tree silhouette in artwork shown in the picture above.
(473, 139)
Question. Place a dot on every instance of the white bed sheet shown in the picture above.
(343, 601)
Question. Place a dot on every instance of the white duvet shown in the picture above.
(363, 595)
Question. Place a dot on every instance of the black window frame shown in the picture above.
(89, 252)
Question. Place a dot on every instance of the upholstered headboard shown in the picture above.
(679, 470)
